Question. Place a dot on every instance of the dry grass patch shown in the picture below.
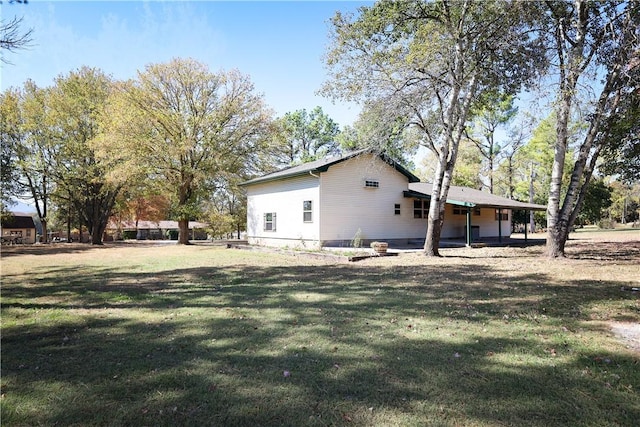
(200, 335)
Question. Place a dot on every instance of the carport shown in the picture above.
(470, 199)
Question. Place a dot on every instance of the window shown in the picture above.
(307, 211)
(396, 209)
(270, 221)
(371, 183)
(504, 216)
(461, 210)
(421, 208)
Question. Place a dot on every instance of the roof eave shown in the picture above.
(262, 180)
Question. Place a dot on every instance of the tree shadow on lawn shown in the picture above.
(50, 248)
(605, 250)
(362, 346)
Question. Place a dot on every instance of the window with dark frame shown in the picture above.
(270, 221)
(371, 183)
(461, 210)
(421, 208)
(504, 216)
(307, 211)
(396, 209)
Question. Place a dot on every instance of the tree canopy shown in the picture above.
(305, 136)
(428, 62)
(187, 126)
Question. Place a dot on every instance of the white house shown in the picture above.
(365, 196)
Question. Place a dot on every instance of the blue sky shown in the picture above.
(278, 44)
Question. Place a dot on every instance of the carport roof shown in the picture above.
(464, 196)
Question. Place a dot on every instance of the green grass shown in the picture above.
(142, 335)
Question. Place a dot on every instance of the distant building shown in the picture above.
(153, 230)
(18, 229)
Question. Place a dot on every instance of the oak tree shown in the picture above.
(186, 125)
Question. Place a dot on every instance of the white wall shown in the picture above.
(349, 206)
(284, 198)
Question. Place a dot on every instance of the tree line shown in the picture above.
(438, 75)
(174, 142)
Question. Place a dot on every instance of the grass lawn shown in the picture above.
(153, 335)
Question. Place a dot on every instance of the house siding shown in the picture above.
(285, 199)
(22, 235)
(349, 208)
(18, 229)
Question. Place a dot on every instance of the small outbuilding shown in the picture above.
(18, 228)
(364, 197)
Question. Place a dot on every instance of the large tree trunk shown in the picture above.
(561, 217)
(457, 111)
(556, 240)
(569, 64)
(434, 221)
(96, 234)
(183, 236)
(44, 231)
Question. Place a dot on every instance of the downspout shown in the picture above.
(319, 236)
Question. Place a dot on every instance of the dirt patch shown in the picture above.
(628, 332)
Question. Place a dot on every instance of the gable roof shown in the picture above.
(322, 165)
(18, 221)
(464, 196)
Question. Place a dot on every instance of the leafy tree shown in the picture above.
(378, 130)
(187, 126)
(597, 199)
(469, 168)
(491, 112)
(590, 42)
(305, 136)
(625, 202)
(83, 177)
(226, 212)
(25, 130)
(507, 172)
(8, 135)
(428, 62)
(621, 135)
